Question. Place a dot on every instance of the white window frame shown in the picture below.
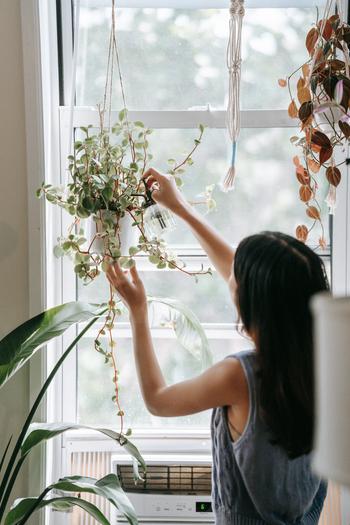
(44, 124)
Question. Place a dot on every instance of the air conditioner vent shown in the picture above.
(168, 479)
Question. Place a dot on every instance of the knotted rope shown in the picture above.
(234, 60)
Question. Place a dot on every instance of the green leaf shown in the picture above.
(139, 124)
(201, 128)
(82, 212)
(88, 203)
(41, 432)
(22, 343)
(188, 329)
(22, 506)
(133, 250)
(122, 114)
(50, 197)
(58, 251)
(107, 193)
(126, 262)
(107, 487)
(154, 259)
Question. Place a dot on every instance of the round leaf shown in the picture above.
(333, 175)
(305, 193)
(302, 232)
(313, 213)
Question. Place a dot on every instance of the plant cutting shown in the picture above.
(321, 107)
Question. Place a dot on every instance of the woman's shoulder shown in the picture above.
(247, 358)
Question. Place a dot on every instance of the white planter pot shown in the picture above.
(127, 234)
(322, 120)
(332, 361)
(332, 115)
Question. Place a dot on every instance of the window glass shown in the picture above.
(182, 52)
(265, 196)
(208, 298)
(96, 388)
(175, 59)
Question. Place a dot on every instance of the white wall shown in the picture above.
(13, 212)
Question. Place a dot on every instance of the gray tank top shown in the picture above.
(254, 482)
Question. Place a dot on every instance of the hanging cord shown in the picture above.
(74, 77)
(234, 61)
(113, 57)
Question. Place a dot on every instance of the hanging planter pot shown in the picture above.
(98, 228)
(327, 111)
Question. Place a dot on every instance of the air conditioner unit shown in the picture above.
(176, 488)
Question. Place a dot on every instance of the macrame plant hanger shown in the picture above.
(112, 62)
(234, 61)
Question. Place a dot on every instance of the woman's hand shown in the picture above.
(130, 288)
(165, 191)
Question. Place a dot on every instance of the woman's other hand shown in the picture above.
(165, 191)
(130, 288)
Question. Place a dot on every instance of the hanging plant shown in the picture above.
(321, 105)
(109, 199)
(114, 217)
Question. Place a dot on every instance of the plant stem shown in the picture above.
(5, 453)
(190, 154)
(33, 508)
(7, 481)
(11, 481)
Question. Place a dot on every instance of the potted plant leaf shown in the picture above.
(321, 106)
(16, 349)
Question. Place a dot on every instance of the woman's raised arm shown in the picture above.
(220, 385)
(165, 192)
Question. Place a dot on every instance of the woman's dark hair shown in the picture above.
(276, 277)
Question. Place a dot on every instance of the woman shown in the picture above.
(262, 400)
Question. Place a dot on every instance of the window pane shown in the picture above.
(266, 190)
(95, 387)
(266, 193)
(209, 298)
(176, 58)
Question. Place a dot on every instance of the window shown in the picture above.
(174, 70)
(173, 63)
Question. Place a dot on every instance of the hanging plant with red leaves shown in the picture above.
(321, 104)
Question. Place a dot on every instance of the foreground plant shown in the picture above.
(321, 105)
(20, 346)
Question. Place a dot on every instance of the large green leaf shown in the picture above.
(21, 344)
(22, 506)
(107, 487)
(41, 432)
(188, 329)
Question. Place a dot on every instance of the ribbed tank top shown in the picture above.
(254, 481)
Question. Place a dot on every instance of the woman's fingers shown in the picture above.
(118, 277)
(134, 274)
(152, 173)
